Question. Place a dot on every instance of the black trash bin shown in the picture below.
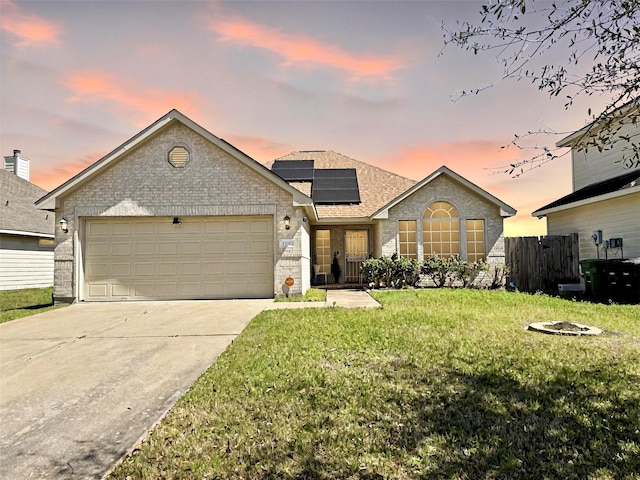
(629, 281)
(612, 270)
(595, 280)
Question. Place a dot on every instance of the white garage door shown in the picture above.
(203, 257)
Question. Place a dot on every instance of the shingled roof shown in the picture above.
(626, 183)
(377, 186)
(17, 210)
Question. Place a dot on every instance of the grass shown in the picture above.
(311, 295)
(436, 384)
(22, 303)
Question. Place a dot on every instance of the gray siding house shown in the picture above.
(26, 232)
(178, 213)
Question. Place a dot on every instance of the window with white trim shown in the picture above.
(441, 230)
(407, 246)
(475, 240)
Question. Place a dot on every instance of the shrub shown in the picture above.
(398, 272)
(391, 272)
(441, 270)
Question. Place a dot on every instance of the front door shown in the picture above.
(356, 251)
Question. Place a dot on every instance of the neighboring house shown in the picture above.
(176, 213)
(26, 232)
(605, 201)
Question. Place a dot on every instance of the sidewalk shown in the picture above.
(335, 298)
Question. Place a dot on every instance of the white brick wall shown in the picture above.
(144, 183)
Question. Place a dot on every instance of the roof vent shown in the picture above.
(179, 157)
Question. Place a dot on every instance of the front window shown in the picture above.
(407, 246)
(441, 230)
(475, 240)
(323, 251)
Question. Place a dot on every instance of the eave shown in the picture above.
(587, 201)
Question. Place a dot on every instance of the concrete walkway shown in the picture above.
(335, 298)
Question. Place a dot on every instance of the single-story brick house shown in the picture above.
(178, 213)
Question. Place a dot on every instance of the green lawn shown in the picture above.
(436, 384)
(22, 303)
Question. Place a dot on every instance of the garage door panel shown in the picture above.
(98, 270)
(168, 269)
(259, 247)
(260, 226)
(190, 268)
(191, 247)
(236, 267)
(238, 247)
(167, 247)
(119, 270)
(239, 227)
(143, 248)
(213, 289)
(120, 290)
(213, 267)
(189, 290)
(98, 228)
(98, 249)
(121, 248)
(191, 227)
(167, 290)
(204, 257)
(165, 227)
(260, 268)
(144, 227)
(213, 246)
(99, 290)
(235, 289)
(142, 291)
(217, 227)
(143, 269)
(121, 228)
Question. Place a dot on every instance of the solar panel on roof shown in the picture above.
(294, 170)
(335, 186)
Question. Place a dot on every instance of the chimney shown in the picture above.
(17, 165)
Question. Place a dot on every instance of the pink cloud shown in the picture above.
(127, 96)
(260, 149)
(418, 161)
(29, 29)
(63, 172)
(296, 49)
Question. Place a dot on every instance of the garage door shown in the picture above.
(202, 257)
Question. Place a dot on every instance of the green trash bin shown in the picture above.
(595, 280)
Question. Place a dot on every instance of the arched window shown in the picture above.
(441, 230)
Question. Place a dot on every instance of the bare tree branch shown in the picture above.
(602, 41)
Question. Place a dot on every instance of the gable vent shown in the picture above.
(179, 157)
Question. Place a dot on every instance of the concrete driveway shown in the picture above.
(79, 386)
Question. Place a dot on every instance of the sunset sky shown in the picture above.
(371, 80)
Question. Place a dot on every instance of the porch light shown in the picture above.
(287, 222)
(64, 226)
(176, 221)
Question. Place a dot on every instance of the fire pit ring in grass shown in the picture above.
(564, 328)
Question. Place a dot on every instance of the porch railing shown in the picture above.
(352, 272)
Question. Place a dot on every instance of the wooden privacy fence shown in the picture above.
(541, 263)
